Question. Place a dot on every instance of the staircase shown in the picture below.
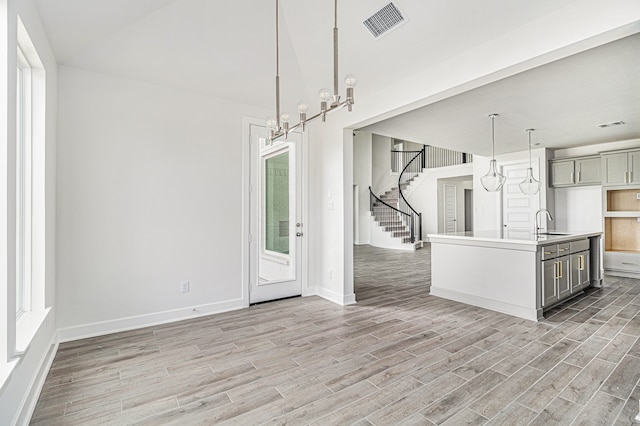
(394, 222)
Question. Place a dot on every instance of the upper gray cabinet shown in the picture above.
(562, 172)
(575, 171)
(588, 171)
(621, 168)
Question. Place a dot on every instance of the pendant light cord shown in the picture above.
(529, 131)
(493, 137)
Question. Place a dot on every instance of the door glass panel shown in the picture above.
(277, 203)
(277, 242)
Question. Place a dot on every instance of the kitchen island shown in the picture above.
(521, 275)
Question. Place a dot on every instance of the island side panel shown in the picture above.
(500, 279)
(595, 247)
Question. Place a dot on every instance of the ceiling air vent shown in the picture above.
(386, 19)
(612, 124)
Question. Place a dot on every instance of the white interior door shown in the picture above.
(450, 208)
(518, 209)
(275, 268)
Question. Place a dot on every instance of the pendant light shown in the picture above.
(529, 185)
(493, 180)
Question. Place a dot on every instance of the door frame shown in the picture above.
(247, 245)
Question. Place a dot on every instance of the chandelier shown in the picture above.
(279, 125)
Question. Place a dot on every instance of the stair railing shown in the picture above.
(409, 172)
(387, 213)
(399, 159)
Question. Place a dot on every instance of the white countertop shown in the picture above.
(498, 236)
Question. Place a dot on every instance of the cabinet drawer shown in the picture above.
(622, 261)
(580, 245)
(549, 252)
(564, 248)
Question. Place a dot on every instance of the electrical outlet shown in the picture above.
(184, 287)
(330, 274)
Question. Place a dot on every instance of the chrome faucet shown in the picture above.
(536, 230)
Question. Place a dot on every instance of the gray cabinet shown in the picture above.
(580, 270)
(564, 277)
(549, 285)
(621, 168)
(588, 171)
(562, 173)
(565, 270)
(575, 171)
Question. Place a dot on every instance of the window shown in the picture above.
(23, 185)
(29, 202)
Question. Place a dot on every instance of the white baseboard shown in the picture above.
(140, 321)
(31, 399)
(339, 298)
(494, 305)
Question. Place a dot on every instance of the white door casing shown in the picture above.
(276, 228)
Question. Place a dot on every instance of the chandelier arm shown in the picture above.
(280, 133)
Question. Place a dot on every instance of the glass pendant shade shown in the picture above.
(529, 185)
(493, 180)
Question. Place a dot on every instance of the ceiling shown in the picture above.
(226, 49)
(564, 102)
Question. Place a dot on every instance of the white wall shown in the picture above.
(578, 208)
(20, 392)
(461, 183)
(381, 179)
(596, 149)
(423, 194)
(149, 195)
(362, 178)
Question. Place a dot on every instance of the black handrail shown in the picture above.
(414, 167)
(391, 212)
(400, 158)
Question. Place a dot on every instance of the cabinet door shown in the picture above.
(614, 168)
(634, 167)
(588, 171)
(562, 173)
(576, 264)
(585, 270)
(563, 276)
(549, 287)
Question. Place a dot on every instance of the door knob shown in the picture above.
(298, 234)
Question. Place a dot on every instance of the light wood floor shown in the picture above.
(398, 356)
